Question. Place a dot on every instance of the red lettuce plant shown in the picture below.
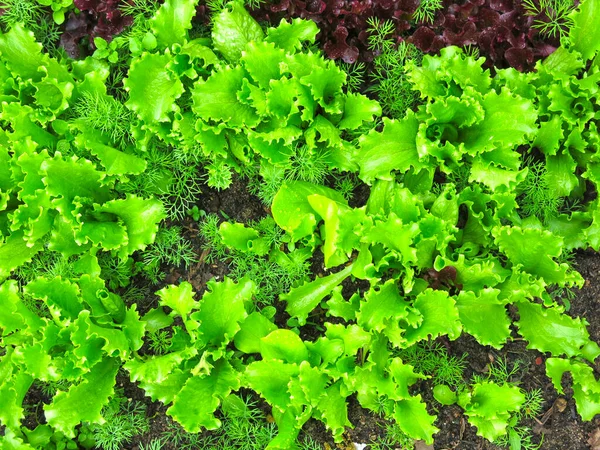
(98, 18)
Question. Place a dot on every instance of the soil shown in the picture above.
(559, 427)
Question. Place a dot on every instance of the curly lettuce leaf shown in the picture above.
(439, 316)
(585, 34)
(217, 99)
(83, 402)
(489, 407)
(484, 316)
(172, 20)
(153, 88)
(284, 345)
(534, 251)
(393, 149)
(194, 406)
(303, 299)
(233, 29)
(222, 309)
(292, 210)
(290, 36)
(586, 389)
(550, 330)
(140, 217)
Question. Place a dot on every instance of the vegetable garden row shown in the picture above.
(425, 171)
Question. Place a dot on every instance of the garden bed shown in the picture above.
(299, 225)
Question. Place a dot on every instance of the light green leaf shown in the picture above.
(152, 87)
(291, 36)
(586, 389)
(440, 316)
(292, 210)
(140, 217)
(217, 99)
(233, 29)
(199, 398)
(15, 252)
(358, 109)
(84, 401)
(222, 309)
(270, 379)
(585, 35)
(283, 345)
(179, 298)
(172, 20)
(302, 300)
(412, 418)
(484, 316)
(550, 330)
(393, 149)
(253, 329)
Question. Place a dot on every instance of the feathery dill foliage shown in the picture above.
(49, 264)
(390, 83)
(115, 271)
(272, 275)
(244, 428)
(265, 182)
(433, 359)
(175, 181)
(106, 114)
(539, 198)
(309, 443)
(303, 163)
(345, 185)
(170, 248)
(155, 444)
(123, 421)
(393, 439)
(218, 175)
(208, 230)
(355, 75)
(307, 164)
(552, 17)
(29, 13)
(426, 10)
(159, 341)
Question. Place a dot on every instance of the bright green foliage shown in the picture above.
(273, 101)
(586, 389)
(489, 405)
(459, 224)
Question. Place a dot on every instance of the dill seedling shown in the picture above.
(426, 10)
(115, 271)
(218, 175)
(208, 229)
(28, 13)
(170, 248)
(124, 421)
(355, 75)
(378, 34)
(309, 443)
(393, 439)
(155, 444)
(538, 197)
(307, 164)
(552, 17)
(390, 83)
(160, 341)
(266, 182)
(105, 114)
(48, 264)
(433, 359)
(345, 185)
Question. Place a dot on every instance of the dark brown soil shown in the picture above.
(559, 430)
